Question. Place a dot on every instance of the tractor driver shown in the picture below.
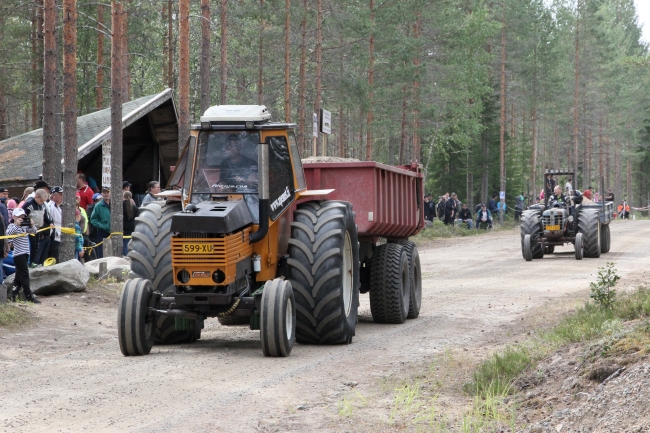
(558, 196)
(237, 171)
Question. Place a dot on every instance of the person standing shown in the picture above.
(129, 212)
(519, 206)
(21, 253)
(154, 188)
(54, 206)
(569, 187)
(609, 196)
(37, 210)
(101, 219)
(441, 207)
(450, 209)
(85, 192)
(429, 209)
(78, 238)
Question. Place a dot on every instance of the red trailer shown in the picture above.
(387, 200)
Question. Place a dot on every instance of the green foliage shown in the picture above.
(494, 376)
(12, 316)
(602, 291)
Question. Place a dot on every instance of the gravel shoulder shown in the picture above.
(65, 372)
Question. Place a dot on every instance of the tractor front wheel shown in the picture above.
(278, 318)
(135, 325)
(579, 246)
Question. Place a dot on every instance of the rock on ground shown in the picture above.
(111, 262)
(70, 276)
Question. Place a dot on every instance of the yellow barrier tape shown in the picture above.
(64, 230)
(111, 234)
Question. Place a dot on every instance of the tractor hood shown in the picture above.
(212, 217)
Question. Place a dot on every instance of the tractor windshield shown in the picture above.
(226, 162)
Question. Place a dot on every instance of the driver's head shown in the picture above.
(232, 145)
(557, 190)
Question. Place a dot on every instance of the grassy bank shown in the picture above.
(13, 316)
(440, 230)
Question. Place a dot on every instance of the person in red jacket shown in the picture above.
(84, 190)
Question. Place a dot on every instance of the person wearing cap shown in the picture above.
(101, 219)
(54, 206)
(4, 212)
(21, 255)
(85, 192)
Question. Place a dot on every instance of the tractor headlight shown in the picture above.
(218, 276)
(183, 276)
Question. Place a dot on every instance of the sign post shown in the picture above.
(326, 128)
(315, 135)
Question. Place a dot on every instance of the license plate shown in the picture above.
(198, 248)
(553, 228)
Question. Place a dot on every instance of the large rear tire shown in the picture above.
(134, 324)
(415, 278)
(150, 254)
(323, 268)
(389, 284)
(589, 226)
(530, 225)
(605, 238)
(278, 318)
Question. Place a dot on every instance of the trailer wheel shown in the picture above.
(530, 225)
(527, 248)
(415, 278)
(389, 284)
(589, 226)
(579, 246)
(150, 254)
(278, 318)
(134, 324)
(605, 238)
(323, 268)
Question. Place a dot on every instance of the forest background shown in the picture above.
(486, 94)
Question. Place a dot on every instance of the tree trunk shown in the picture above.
(371, 72)
(70, 125)
(502, 119)
(40, 61)
(260, 58)
(576, 98)
(205, 55)
(224, 52)
(402, 142)
(319, 82)
(126, 76)
(287, 61)
(3, 101)
(341, 140)
(183, 73)
(417, 151)
(170, 45)
(607, 151)
(303, 81)
(50, 174)
(116, 129)
(99, 92)
(555, 150)
(587, 180)
(601, 154)
(629, 174)
(617, 169)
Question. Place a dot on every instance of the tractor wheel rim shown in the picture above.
(288, 319)
(348, 275)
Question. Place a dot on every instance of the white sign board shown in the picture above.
(326, 122)
(106, 163)
(315, 125)
(502, 195)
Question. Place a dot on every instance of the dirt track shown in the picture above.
(66, 373)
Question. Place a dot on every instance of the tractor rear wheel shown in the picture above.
(605, 238)
(415, 278)
(589, 226)
(278, 318)
(323, 268)
(389, 284)
(530, 225)
(135, 326)
(150, 254)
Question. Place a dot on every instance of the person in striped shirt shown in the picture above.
(21, 255)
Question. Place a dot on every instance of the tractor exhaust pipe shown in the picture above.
(262, 193)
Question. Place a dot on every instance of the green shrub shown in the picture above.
(602, 291)
(494, 376)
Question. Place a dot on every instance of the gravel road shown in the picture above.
(65, 372)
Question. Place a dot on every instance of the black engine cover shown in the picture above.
(213, 217)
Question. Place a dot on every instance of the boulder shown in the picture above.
(70, 276)
(119, 272)
(111, 262)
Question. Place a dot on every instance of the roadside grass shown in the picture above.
(439, 230)
(13, 316)
(429, 399)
